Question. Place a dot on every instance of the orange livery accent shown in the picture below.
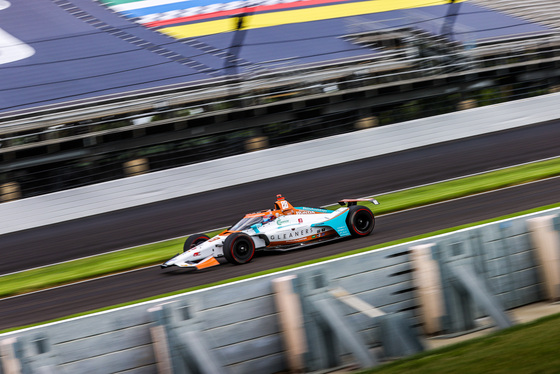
(206, 263)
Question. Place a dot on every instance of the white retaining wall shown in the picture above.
(239, 321)
(249, 167)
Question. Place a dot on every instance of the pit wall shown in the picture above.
(235, 328)
(268, 163)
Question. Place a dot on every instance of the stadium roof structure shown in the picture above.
(59, 51)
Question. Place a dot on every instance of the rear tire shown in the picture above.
(194, 240)
(239, 248)
(360, 220)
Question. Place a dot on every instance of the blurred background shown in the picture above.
(94, 91)
(126, 122)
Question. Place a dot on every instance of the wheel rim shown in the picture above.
(242, 249)
(362, 221)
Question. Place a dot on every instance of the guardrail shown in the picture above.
(359, 309)
(268, 163)
(80, 158)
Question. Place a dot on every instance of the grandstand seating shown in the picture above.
(89, 51)
(544, 12)
(138, 89)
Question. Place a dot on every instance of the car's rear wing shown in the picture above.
(349, 202)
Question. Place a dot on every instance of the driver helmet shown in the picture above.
(268, 218)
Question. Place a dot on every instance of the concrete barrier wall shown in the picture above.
(268, 163)
(239, 322)
(503, 257)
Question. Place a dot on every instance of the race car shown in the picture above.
(281, 228)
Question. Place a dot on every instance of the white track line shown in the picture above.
(387, 214)
(324, 206)
(154, 266)
(473, 195)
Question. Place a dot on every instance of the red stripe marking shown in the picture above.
(232, 12)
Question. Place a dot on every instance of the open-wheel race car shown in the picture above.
(281, 228)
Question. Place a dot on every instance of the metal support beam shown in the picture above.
(450, 17)
(344, 334)
(232, 56)
(398, 338)
(179, 346)
(322, 352)
(27, 355)
(476, 289)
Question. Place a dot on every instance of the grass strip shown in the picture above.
(152, 254)
(434, 193)
(526, 348)
(310, 262)
(90, 267)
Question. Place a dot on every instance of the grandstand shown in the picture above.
(543, 12)
(108, 92)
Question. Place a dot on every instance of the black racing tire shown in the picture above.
(194, 240)
(360, 220)
(239, 248)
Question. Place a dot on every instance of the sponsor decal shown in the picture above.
(296, 234)
(281, 221)
(196, 254)
(300, 220)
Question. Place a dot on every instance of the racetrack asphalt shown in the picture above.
(315, 188)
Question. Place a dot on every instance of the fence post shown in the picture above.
(546, 239)
(136, 167)
(10, 356)
(28, 355)
(427, 279)
(291, 322)
(10, 191)
(160, 341)
(256, 143)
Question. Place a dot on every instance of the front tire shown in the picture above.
(194, 240)
(360, 220)
(239, 248)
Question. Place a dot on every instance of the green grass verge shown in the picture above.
(90, 267)
(452, 189)
(152, 254)
(310, 262)
(526, 348)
